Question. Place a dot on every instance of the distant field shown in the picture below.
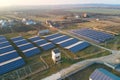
(97, 10)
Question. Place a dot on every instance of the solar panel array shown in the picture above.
(72, 44)
(44, 44)
(102, 74)
(96, 36)
(9, 58)
(26, 47)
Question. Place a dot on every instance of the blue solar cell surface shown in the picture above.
(17, 38)
(3, 40)
(21, 42)
(7, 49)
(49, 46)
(1, 36)
(96, 36)
(7, 53)
(4, 44)
(8, 56)
(60, 39)
(26, 47)
(32, 52)
(11, 66)
(53, 36)
(41, 42)
(102, 74)
(35, 38)
(79, 47)
(68, 43)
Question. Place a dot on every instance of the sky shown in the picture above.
(4, 3)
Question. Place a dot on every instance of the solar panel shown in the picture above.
(25, 46)
(21, 42)
(1, 36)
(47, 46)
(11, 65)
(93, 35)
(41, 42)
(8, 55)
(57, 37)
(52, 36)
(16, 38)
(44, 44)
(34, 38)
(70, 42)
(6, 49)
(77, 46)
(3, 40)
(64, 41)
(4, 44)
(9, 58)
(32, 51)
(60, 39)
(102, 74)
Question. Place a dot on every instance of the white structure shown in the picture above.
(24, 20)
(77, 16)
(43, 32)
(30, 22)
(56, 55)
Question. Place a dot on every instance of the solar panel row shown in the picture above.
(44, 44)
(9, 58)
(11, 65)
(102, 74)
(66, 41)
(6, 49)
(17, 38)
(53, 36)
(26, 47)
(6, 43)
(96, 36)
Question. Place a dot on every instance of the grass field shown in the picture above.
(97, 10)
(85, 73)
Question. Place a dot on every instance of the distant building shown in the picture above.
(43, 32)
(30, 22)
(56, 55)
(52, 24)
(102, 74)
(48, 22)
(97, 19)
(85, 15)
(77, 16)
(24, 20)
(3, 23)
(7, 23)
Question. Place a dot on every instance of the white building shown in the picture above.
(30, 22)
(56, 55)
(24, 20)
(43, 32)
